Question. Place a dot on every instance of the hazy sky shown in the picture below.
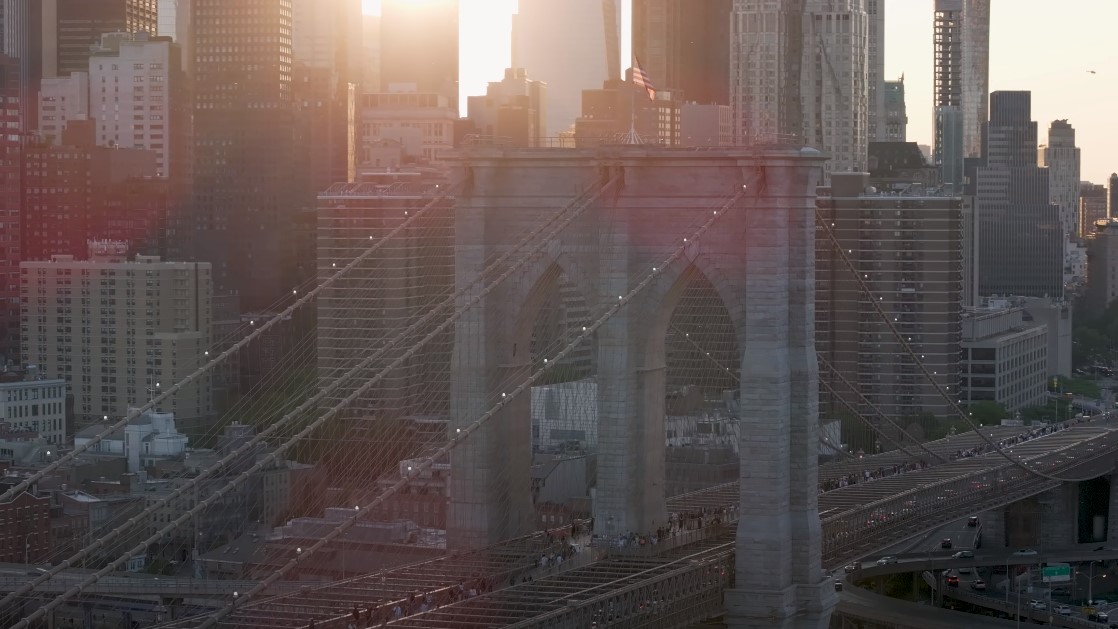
(1033, 47)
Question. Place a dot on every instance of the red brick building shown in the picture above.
(25, 529)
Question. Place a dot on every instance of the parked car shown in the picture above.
(963, 554)
(978, 585)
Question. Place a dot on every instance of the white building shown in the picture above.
(143, 441)
(61, 100)
(134, 89)
(812, 84)
(1061, 156)
(571, 46)
(36, 404)
(1005, 357)
(422, 123)
(118, 331)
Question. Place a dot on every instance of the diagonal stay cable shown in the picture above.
(256, 333)
(553, 226)
(873, 299)
(422, 465)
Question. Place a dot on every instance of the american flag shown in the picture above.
(640, 79)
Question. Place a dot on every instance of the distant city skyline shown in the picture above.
(1062, 85)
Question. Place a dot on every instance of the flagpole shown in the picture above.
(632, 138)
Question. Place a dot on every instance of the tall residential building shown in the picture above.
(120, 332)
(1005, 356)
(875, 81)
(514, 108)
(571, 46)
(800, 68)
(1092, 207)
(893, 120)
(419, 46)
(1021, 241)
(61, 100)
(11, 204)
(908, 249)
(962, 82)
(141, 76)
(81, 23)
(1061, 157)
(685, 47)
(402, 281)
(244, 202)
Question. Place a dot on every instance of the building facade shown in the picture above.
(908, 249)
(1005, 358)
(139, 75)
(800, 69)
(419, 46)
(244, 201)
(609, 115)
(875, 75)
(1021, 241)
(892, 123)
(513, 109)
(685, 47)
(961, 83)
(36, 404)
(11, 204)
(1102, 267)
(80, 24)
(25, 530)
(423, 124)
(1092, 207)
(1061, 157)
(61, 100)
(706, 125)
(120, 332)
(570, 46)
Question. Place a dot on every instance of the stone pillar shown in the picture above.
(1059, 513)
(631, 381)
(779, 571)
(993, 529)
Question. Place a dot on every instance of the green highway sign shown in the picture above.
(1056, 573)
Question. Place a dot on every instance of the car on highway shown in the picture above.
(963, 554)
(946, 543)
(1098, 617)
(886, 560)
(853, 567)
(1062, 610)
(953, 580)
(1038, 605)
(838, 586)
(1024, 552)
(978, 585)
(972, 521)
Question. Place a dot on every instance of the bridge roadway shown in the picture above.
(685, 584)
(135, 585)
(862, 604)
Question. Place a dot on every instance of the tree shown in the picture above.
(987, 412)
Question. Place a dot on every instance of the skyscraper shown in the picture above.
(875, 68)
(243, 208)
(962, 82)
(11, 199)
(893, 119)
(80, 24)
(513, 108)
(1061, 157)
(419, 44)
(571, 46)
(799, 68)
(24, 40)
(1021, 250)
(1112, 197)
(685, 45)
